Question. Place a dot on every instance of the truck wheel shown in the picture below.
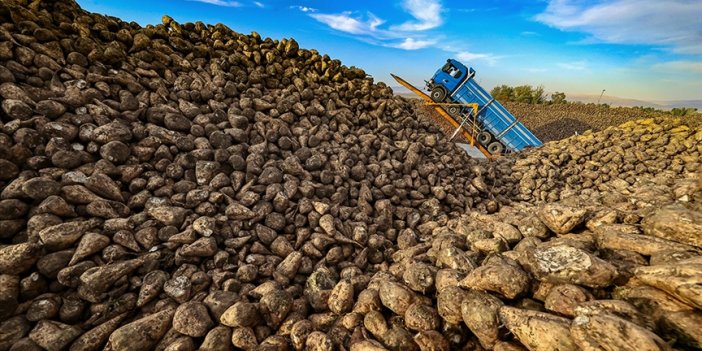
(496, 148)
(484, 138)
(438, 94)
(454, 111)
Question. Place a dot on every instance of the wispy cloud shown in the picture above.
(344, 22)
(372, 29)
(427, 14)
(574, 66)
(467, 56)
(225, 3)
(529, 34)
(680, 66)
(304, 8)
(406, 36)
(674, 24)
(536, 70)
(413, 44)
(259, 4)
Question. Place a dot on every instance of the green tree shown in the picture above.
(558, 98)
(523, 93)
(537, 95)
(683, 111)
(503, 93)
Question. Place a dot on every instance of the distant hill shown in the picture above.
(625, 102)
(614, 101)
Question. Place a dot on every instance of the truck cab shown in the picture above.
(447, 79)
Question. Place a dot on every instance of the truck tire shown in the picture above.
(484, 138)
(438, 94)
(496, 148)
(454, 111)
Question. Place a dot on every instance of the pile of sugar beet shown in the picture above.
(183, 187)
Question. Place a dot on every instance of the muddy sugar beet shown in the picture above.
(181, 186)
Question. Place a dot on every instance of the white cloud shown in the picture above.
(574, 66)
(372, 29)
(259, 4)
(680, 66)
(304, 8)
(413, 44)
(225, 3)
(467, 56)
(529, 34)
(671, 23)
(426, 12)
(536, 70)
(345, 23)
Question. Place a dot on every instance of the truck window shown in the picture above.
(455, 72)
(446, 67)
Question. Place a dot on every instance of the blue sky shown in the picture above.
(644, 49)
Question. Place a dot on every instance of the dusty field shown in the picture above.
(183, 186)
(555, 122)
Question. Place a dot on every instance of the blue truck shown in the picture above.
(497, 130)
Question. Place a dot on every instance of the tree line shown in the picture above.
(536, 95)
(527, 94)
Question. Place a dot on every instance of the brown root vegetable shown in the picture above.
(395, 296)
(601, 330)
(192, 319)
(683, 327)
(651, 298)
(618, 308)
(299, 333)
(563, 299)
(244, 338)
(420, 277)
(341, 297)
(367, 345)
(448, 277)
(448, 303)
(368, 300)
(9, 293)
(504, 279)
(143, 333)
(537, 330)
(275, 306)
(676, 223)
(431, 340)
(375, 323)
(480, 312)
(62, 236)
(218, 339)
(100, 278)
(681, 280)
(183, 343)
(610, 238)
(241, 314)
(561, 218)
(151, 286)
(52, 335)
(12, 330)
(90, 243)
(318, 341)
(95, 338)
(18, 258)
(567, 264)
(420, 317)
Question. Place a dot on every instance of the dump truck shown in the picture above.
(473, 111)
